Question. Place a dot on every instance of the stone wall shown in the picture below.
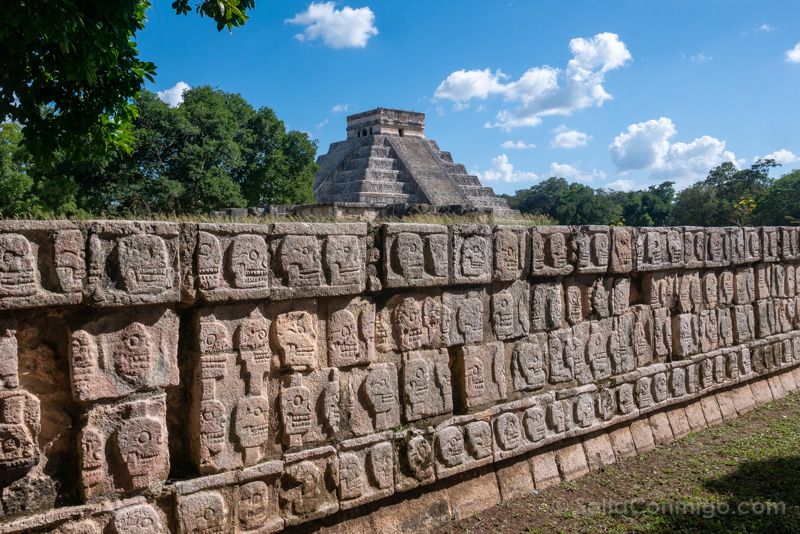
(161, 377)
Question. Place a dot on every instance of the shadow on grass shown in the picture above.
(760, 496)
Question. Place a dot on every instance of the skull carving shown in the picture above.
(715, 246)
(142, 444)
(556, 251)
(133, 354)
(408, 322)
(479, 439)
(305, 487)
(92, 456)
(296, 412)
(351, 476)
(644, 397)
(474, 255)
(248, 261)
(137, 519)
(297, 339)
(253, 504)
(251, 423)
(432, 318)
(470, 319)
(534, 423)
(343, 258)
(584, 411)
(330, 408)
(507, 430)
(213, 421)
(253, 340)
(204, 513)
(86, 526)
(674, 247)
(380, 393)
(418, 456)
(70, 260)
(83, 355)
(417, 384)
(625, 398)
(474, 377)
(600, 250)
(450, 444)
(209, 260)
(506, 254)
(213, 336)
(556, 420)
(537, 251)
(299, 259)
(527, 362)
(343, 338)
(144, 264)
(380, 464)
(503, 314)
(653, 252)
(17, 266)
(409, 256)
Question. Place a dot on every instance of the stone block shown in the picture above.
(761, 392)
(788, 382)
(742, 398)
(366, 469)
(426, 384)
(623, 241)
(790, 243)
(413, 458)
(479, 375)
(528, 362)
(463, 320)
(129, 519)
(510, 313)
(351, 332)
(662, 432)
(374, 398)
(462, 443)
(42, 264)
(726, 406)
(514, 479)
(622, 442)
(770, 243)
(718, 247)
(510, 253)
(544, 470)
(308, 485)
(133, 263)
(678, 422)
(473, 493)
(695, 416)
(551, 250)
(776, 387)
(415, 321)
(599, 451)
(711, 410)
(593, 249)
(415, 255)
(571, 461)
(547, 312)
(752, 245)
(421, 512)
(694, 247)
(659, 248)
(472, 252)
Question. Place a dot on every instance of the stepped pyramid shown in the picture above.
(386, 159)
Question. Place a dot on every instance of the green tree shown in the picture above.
(650, 207)
(70, 69)
(16, 185)
(781, 204)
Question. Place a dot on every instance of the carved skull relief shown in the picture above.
(142, 445)
(506, 254)
(503, 314)
(137, 519)
(144, 264)
(204, 513)
(213, 422)
(479, 439)
(83, 355)
(297, 339)
(380, 465)
(248, 261)
(209, 260)
(17, 266)
(253, 505)
(556, 251)
(474, 255)
(409, 256)
(507, 431)
(408, 322)
(343, 259)
(134, 354)
(379, 390)
(343, 338)
(306, 486)
(450, 444)
(351, 476)
(299, 259)
(418, 456)
(534, 423)
(70, 260)
(251, 423)
(296, 411)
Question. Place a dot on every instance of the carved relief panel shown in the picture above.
(351, 332)
(686, 334)
(426, 384)
(529, 362)
(232, 262)
(138, 518)
(623, 241)
(409, 322)
(594, 248)
(551, 250)
(42, 263)
(366, 469)
(661, 290)
(472, 254)
(744, 290)
(309, 405)
(206, 511)
(511, 311)
(463, 316)
(510, 253)
(413, 458)
(123, 447)
(479, 375)
(718, 253)
(752, 245)
(547, 310)
(659, 248)
(770, 243)
(744, 323)
(373, 398)
(462, 443)
(415, 255)
(123, 352)
(309, 484)
(317, 259)
(133, 263)
(694, 247)
(790, 243)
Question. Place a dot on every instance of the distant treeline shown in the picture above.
(727, 196)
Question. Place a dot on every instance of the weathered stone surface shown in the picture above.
(510, 253)
(416, 321)
(511, 311)
(474, 494)
(551, 250)
(426, 384)
(571, 461)
(413, 458)
(479, 375)
(472, 253)
(415, 255)
(514, 480)
(593, 249)
(694, 247)
(659, 248)
(366, 469)
(308, 485)
(545, 470)
(462, 443)
(642, 435)
(351, 332)
(464, 317)
(622, 442)
(547, 311)
(599, 452)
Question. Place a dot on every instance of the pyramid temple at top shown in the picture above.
(386, 159)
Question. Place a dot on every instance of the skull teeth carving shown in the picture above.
(248, 261)
(473, 254)
(144, 264)
(133, 353)
(17, 274)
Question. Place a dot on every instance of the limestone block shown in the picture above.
(678, 422)
(694, 247)
(317, 260)
(309, 485)
(599, 451)
(523, 425)
(133, 263)
(511, 311)
(472, 253)
(479, 375)
(551, 250)
(744, 323)
(256, 498)
(744, 286)
(770, 243)
(642, 435)
(622, 443)
(529, 362)
(413, 458)
(761, 392)
(711, 410)
(662, 432)
(726, 407)
(686, 334)
(426, 384)
(414, 513)
(545, 470)
(571, 461)
(620, 295)
(123, 352)
(790, 243)
(623, 240)
(690, 295)
(752, 245)
(463, 316)
(462, 443)
(547, 311)
(765, 318)
(776, 386)
(742, 398)
(415, 255)
(622, 340)
(577, 306)
(736, 238)
(709, 290)
(626, 400)
(206, 511)
(373, 398)
(514, 480)
(708, 330)
(600, 298)
(718, 247)
(123, 447)
(695, 416)
(474, 493)
(566, 353)
(42, 263)
(366, 469)
(788, 382)
(351, 332)
(135, 518)
(309, 408)
(414, 321)
(232, 262)
(593, 249)
(659, 248)
(764, 283)
(510, 253)
(725, 324)
(660, 289)
(726, 283)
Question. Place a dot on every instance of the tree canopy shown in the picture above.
(212, 151)
(70, 69)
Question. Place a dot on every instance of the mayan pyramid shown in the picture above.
(386, 159)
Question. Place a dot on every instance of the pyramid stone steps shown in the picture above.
(375, 151)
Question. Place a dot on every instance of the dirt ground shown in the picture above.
(740, 476)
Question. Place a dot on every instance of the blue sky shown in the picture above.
(618, 94)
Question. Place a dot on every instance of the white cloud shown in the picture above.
(700, 58)
(572, 172)
(543, 91)
(621, 185)
(782, 156)
(517, 145)
(793, 55)
(647, 146)
(322, 124)
(340, 108)
(566, 138)
(174, 95)
(503, 171)
(766, 28)
(337, 28)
